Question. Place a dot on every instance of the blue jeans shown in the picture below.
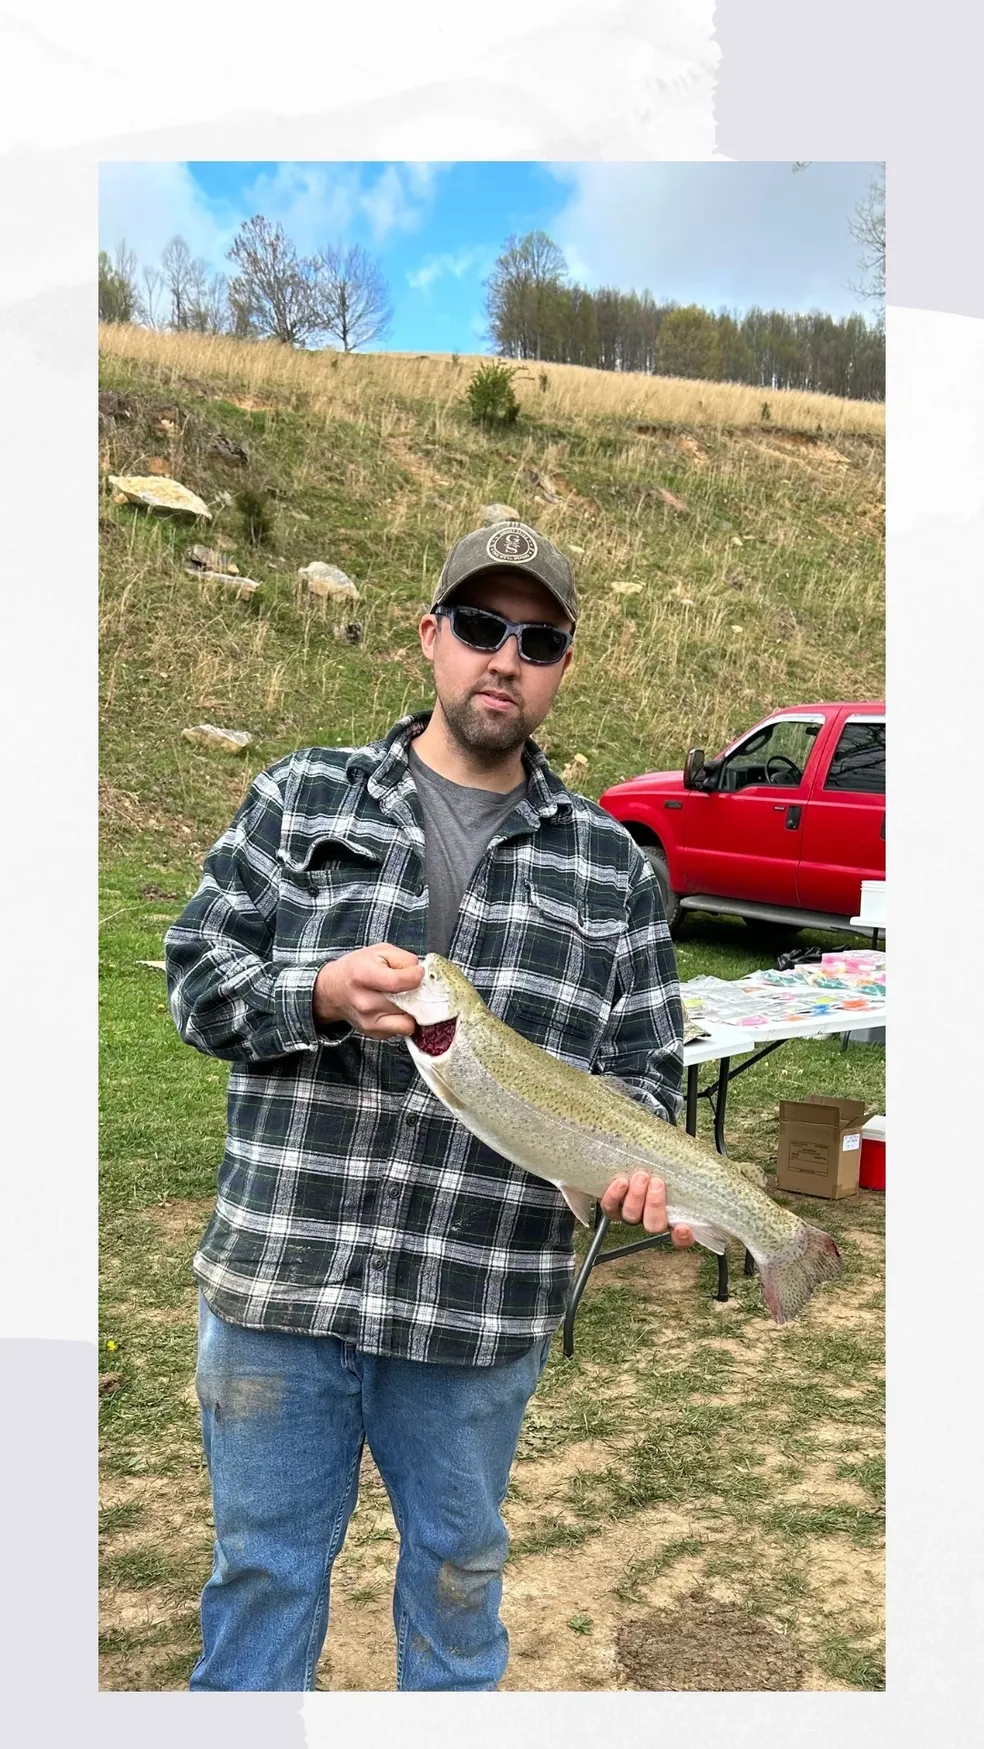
(284, 1419)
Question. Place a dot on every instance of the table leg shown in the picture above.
(722, 1292)
(720, 1106)
(693, 1076)
(601, 1228)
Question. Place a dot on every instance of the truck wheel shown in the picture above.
(671, 900)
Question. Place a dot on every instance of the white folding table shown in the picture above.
(722, 1044)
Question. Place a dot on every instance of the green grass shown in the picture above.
(857, 1665)
(551, 1533)
(640, 1573)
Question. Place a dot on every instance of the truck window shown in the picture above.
(784, 748)
(859, 760)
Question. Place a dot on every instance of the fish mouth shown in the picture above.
(435, 1039)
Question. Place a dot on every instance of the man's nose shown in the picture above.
(507, 658)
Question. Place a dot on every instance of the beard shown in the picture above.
(478, 731)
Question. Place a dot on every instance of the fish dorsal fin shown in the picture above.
(579, 1203)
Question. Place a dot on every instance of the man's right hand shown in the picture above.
(355, 988)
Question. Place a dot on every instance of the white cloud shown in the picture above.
(421, 177)
(435, 266)
(315, 203)
(148, 203)
(717, 234)
(394, 204)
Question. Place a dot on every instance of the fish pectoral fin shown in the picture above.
(443, 1091)
(579, 1203)
(705, 1234)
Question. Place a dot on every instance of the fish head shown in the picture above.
(443, 996)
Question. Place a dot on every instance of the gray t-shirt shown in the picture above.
(458, 823)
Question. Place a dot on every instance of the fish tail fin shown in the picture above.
(789, 1276)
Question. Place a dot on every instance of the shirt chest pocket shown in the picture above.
(338, 900)
(594, 915)
(572, 948)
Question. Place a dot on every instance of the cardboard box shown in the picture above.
(820, 1145)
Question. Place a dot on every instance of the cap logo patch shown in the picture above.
(512, 545)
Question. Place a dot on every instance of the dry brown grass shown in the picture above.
(336, 382)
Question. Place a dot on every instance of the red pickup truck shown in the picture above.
(782, 827)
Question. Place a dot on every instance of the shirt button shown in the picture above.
(377, 1263)
(412, 1119)
(392, 1190)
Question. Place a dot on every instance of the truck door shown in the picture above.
(743, 839)
(844, 828)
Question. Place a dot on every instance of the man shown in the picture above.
(372, 1271)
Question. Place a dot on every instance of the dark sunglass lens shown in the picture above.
(483, 631)
(543, 643)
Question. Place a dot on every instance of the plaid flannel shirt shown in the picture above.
(350, 1201)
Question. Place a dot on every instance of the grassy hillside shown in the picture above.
(765, 588)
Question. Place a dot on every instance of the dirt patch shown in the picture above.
(179, 1221)
(695, 453)
(788, 448)
(705, 1645)
(855, 1578)
(250, 403)
(421, 470)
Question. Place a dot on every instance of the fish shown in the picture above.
(579, 1131)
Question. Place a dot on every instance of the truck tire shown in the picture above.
(671, 900)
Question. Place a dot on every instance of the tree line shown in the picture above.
(534, 312)
(272, 292)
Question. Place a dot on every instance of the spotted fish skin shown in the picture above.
(580, 1131)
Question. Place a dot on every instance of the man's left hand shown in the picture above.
(642, 1198)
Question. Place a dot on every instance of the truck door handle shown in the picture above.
(793, 813)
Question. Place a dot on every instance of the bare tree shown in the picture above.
(153, 299)
(273, 284)
(242, 323)
(178, 273)
(118, 296)
(208, 301)
(868, 230)
(352, 296)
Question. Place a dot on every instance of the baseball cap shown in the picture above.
(507, 546)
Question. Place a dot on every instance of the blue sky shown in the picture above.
(724, 235)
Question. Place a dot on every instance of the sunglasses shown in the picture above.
(481, 629)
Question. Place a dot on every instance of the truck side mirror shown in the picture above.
(693, 765)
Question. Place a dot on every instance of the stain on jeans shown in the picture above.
(462, 1586)
(238, 1397)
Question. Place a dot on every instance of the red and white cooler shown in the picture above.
(872, 1172)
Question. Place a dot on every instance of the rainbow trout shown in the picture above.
(580, 1131)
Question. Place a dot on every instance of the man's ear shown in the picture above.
(428, 635)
